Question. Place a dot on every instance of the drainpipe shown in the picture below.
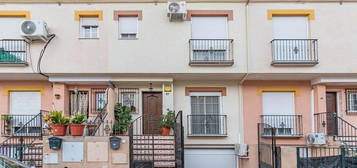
(241, 135)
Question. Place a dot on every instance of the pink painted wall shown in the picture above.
(252, 106)
(46, 98)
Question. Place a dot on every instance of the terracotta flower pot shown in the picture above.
(91, 129)
(165, 131)
(77, 129)
(58, 129)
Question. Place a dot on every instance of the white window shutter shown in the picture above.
(290, 27)
(209, 28)
(89, 21)
(278, 103)
(128, 25)
(10, 27)
(25, 103)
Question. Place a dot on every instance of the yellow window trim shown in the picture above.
(88, 13)
(292, 12)
(278, 89)
(7, 90)
(10, 13)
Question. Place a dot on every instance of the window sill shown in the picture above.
(283, 136)
(128, 38)
(13, 64)
(206, 135)
(80, 38)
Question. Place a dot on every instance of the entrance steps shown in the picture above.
(154, 148)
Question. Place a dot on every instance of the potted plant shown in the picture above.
(7, 123)
(77, 126)
(133, 109)
(57, 122)
(91, 126)
(122, 119)
(167, 122)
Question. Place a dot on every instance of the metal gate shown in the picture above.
(179, 141)
(268, 151)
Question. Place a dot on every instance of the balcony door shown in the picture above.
(292, 33)
(210, 34)
(23, 108)
(278, 108)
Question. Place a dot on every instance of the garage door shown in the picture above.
(210, 158)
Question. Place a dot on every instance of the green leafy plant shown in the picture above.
(6, 118)
(56, 117)
(78, 119)
(122, 118)
(168, 119)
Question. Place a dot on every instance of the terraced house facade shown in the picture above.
(251, 83)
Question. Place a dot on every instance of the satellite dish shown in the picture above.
(28, 27)
(174, 7)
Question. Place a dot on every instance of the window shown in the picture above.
(128, 27)
(79, 102)
(351, 98)
(209, 39)
(205, 113)
(129, 97)
(89, 27)
(278, 111)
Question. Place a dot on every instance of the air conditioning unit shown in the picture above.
(34, 30)
(241, 150)
(176, 10)
(317, 139)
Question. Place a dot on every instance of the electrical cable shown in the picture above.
(41, 55)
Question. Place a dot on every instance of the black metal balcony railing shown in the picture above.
(294, 51)
(211, 51)
(11, 125)
(284, 125)
(207, 125)
(13, 51)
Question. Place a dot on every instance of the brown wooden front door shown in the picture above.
(331, 106)
(152, 111)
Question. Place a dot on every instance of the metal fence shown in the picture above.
(13, 51)
(284, 125)
(326, 157)
(294, 51)
(206, 125)
(211, 51)
(268, 151)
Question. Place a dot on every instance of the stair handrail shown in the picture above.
(179, 147)
(99, 119)
(24, 126)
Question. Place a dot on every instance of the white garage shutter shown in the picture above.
(210, 158)
(209, 28)
(25, 103)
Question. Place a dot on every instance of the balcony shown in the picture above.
(13, 52)
(283, 125)
(206, 52)
(294, 52)
(21, 125)
(206, 125)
